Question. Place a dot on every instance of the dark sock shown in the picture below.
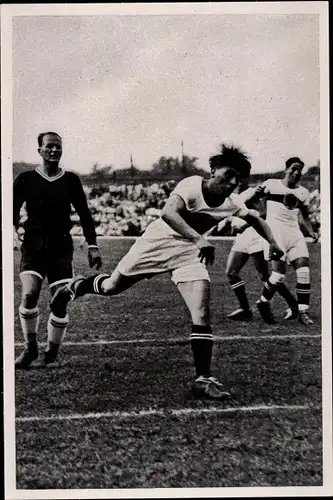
(303, 291)
(287, 295)
(269, 290)
(202, 348)
(237, 284)
(91, 285)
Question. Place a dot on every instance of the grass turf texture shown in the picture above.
(280, 447)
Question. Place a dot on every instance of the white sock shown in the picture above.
(29, 319)
(56, 328)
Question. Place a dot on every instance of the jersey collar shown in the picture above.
(48, 178)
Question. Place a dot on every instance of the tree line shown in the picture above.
(166, 168)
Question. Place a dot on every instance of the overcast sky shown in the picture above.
(114, 86)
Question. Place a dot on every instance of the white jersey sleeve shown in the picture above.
(188, 189)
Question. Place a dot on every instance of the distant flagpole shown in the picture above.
(183, 165)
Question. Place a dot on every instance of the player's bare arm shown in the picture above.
(262, 228)
(306, 221)
(172, 214)
(258, 194)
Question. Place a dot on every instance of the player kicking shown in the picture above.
(249, 243)
(176, 243)
(285, 199)
(47, 248)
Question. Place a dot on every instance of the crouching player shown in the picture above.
(47, 248)
(249, 243)
(175, 243)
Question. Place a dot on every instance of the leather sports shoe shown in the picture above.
(291, 313)
(27, 356)
(209, 388)
(266, 312)
(305, 319)
(241, 315)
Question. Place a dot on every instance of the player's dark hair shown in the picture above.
(231, 156)
(292, 160)
(43, 134)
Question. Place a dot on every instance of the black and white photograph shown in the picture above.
(166, 250)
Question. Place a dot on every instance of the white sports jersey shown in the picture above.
(283, 203)
(199, 215)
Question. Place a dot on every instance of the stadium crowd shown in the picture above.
(127, 210)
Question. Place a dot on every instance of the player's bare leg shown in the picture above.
(270, 288)
(196, 295)
(29, 318)
(303, 289)
(236, 261)
(56, 328)
(261, 265)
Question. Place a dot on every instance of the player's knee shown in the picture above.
(201, 316)
(108, 287)
(29, 299)
(277, 278)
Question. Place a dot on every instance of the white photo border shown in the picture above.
(7, 14)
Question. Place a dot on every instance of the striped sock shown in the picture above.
(303, 288)
(92, 285)
(29, 319)
(202, 348)
(238, 286)
(56, 329)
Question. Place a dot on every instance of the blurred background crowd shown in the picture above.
(127, 209)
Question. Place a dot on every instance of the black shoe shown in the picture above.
(291, 313)
(241, 315)
(209, 388)
(50, 357)
(266, 313)
(305, 319)
(26, 357)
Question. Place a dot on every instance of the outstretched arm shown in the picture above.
(262, 228)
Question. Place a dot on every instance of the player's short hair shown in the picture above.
(294, 159)
(43, 134)
(232, 157)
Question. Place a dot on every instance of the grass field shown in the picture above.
(136, 425)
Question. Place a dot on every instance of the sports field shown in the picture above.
(135, 424)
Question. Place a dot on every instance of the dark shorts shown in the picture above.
(48, 256)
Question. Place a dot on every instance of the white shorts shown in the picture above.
(159, 255)
(290, 240)
(248, 242)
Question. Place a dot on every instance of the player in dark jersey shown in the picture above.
(47, 248)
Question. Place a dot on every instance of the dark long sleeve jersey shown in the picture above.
(48, 203)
